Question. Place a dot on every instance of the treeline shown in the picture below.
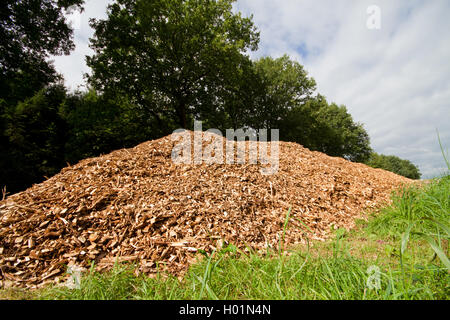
(54, 128)
(394, 164)
(157, 66)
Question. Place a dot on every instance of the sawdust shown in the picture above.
(138, 205)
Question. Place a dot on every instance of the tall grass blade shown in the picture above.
(206, 275)
(443, 226)
(442, 256)
(442, 150)
(286, 221)
(405, 238)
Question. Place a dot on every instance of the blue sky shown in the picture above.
(395, 80)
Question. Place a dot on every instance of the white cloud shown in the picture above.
(74, 66)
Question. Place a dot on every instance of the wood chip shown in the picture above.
(93, 237)
(135, 204)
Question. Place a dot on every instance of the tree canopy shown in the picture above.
(286, 85)
(394, 164)
(172, 58)
(31, 31)
(328, 128)
(36, 138)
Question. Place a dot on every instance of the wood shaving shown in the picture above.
(138, 205)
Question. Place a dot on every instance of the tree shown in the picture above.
(394, 164)
(31, 31)
(236, 104)
(327, 128)
(345, 138)
(97, 125)
(173, 58)
(285, 84)
(36, 135)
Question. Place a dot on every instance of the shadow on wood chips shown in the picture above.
(138, 205)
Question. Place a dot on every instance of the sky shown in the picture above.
(389, 64)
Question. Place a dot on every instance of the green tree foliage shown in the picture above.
(327, 128)
(53, 128)
(171, 57)
(36, 137)
(31, 31)
(394, 164)
(97, 125)
(237, 104)
(285, 86)
(285, 101)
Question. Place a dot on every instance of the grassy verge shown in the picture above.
(399, 253)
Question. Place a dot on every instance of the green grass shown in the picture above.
(415, 205)
(407, 242)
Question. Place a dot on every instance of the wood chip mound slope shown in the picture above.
(138, 205)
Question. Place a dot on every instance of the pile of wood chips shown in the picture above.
(138, 205)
